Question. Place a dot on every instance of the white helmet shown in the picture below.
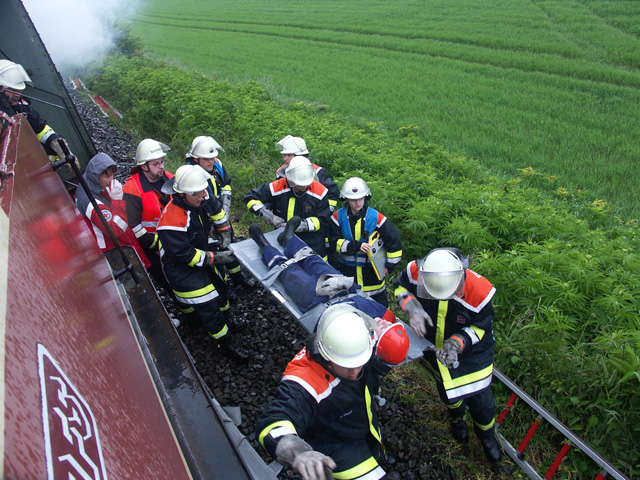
(343, 337)
(442, 274)
(295, 145)
(189, 179)
(204, 147)
(13, 75)
(149, 149)
(300, 172)
(355, 188)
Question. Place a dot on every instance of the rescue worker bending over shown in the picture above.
(296, 195)
(450, 305)
(323, 419)
(188, 264)
(295, 146)
(13, 80)
(352, 227)
(145, 201)
(204, 152)
(107, 191)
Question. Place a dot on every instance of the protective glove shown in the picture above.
(330, 285)
(226, 205)
(418, 318)
(269, 217)
(223, 257)
(306, 225)
(115, 190)
(451, 347)
(310, 464)
(225, 238)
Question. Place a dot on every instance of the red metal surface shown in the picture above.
(78, 398)
(506, 409)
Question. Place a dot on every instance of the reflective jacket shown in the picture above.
(145, 202)
(183, 231)
(323, 177)
(311, 204)
(470, 316)
(348, 232)
(336, 417)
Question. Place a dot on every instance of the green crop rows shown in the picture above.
(551, 85)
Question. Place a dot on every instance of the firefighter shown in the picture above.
(145, 201)
(351, 229)
(450, 305)
(13, 80)
(322, 421)
(298, 194)
(295, 146)
(204, 152)
(187, 262)
(107, 191)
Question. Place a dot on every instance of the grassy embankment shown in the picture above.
(548, 85)
(568, 277)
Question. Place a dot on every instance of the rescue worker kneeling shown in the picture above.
(322, 421)
(190, 268)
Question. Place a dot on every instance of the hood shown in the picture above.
(95, 167)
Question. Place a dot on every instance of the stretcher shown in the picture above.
(248, 254)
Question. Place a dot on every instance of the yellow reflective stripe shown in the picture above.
(196, 258)
(218, 216)
(357, 471)
(455, 405)
(472, 377)
(367, 398)
(225, 307)
(196, 293)
(357, 232)
(290, 208)
(485, 427)
(316, 223)
(479, 331)
(333, 203)
(267, 429)
(221, 333)
(253, 203)
(394, 254)
(227, 187)
(155, 240)
(234, 270)
(339, 244)
(359, 276)
(369, 288)
(443, 306)
(44, 130)
(400, 290)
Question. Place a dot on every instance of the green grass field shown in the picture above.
(552, 85)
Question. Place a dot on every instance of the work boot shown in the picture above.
(491, 449)
(459, 430)
(232, 348)
(247, 282)
(236, 324)
(289, 230)
(255, 232)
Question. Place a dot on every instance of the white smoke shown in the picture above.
(77, 32)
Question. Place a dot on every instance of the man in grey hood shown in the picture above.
(99, 177)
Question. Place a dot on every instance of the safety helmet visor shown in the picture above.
(300, 172)
(190, 179)
(344, 337)
(13, 76)
(441, 275)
